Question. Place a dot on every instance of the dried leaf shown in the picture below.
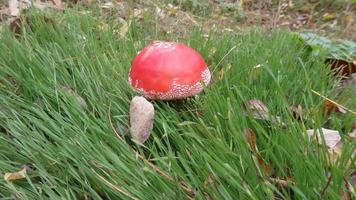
(141, 118)
(331, 137)
(138, 13)
(14, 8)
(58, 4)
(342, 67)
(258, 109)
(352, 135)
(330, 107)
(172, 10)
(255, 71)
(251, 139)
(297, 112)
(15, 26)
(209, 181)
(335, 152)
(16, 175)
(221, 74)
(124, 28)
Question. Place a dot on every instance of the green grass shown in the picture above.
(71, 149)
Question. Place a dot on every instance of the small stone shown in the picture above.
(141, 118)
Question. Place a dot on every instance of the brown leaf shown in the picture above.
(297, 112)
(15, 26)
(258, 109)
(251, 139)
(352, 135)
(16, 175)
(330, 107)
(342, 67)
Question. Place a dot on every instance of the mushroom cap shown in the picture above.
(168, 70)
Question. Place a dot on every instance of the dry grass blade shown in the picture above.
(16, 175)
(183, 185)
(223, 58)
(337, 104)
(114, 186)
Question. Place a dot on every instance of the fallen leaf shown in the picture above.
(172, 10)
(141, 118)
(14, 8)
(255, 71)
(335, 152)
(221, 74)
(58, 4)
(138, 13)
(209, 181)
(332, 141)
(330, 107)
(297, 112)
(251, 139)
(258, 109)
(342, 67)
(16, 175)
(331, 137)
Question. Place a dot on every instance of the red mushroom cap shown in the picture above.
(168, 70)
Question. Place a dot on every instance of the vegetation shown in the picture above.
(64, 116)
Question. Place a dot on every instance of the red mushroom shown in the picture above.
(168, 70)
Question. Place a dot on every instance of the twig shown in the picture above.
(341, 106)
(117, 188)
(326, 187)
(183, 185)
(349, 187)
